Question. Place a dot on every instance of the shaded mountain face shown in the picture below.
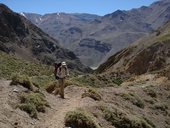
(149, 54)
(20, 37)
(116, 30)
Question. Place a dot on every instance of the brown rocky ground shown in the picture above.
(140, 100)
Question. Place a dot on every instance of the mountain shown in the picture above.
(20, 37)
(62, 17)
(149, 54)
(94, 38)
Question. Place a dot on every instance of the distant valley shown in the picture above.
(94, 38)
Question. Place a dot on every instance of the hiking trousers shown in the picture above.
(61, 85)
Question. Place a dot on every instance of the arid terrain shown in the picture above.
(131, 89)
(143, 100)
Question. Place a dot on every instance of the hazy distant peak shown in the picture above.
(161, 2)
(144, 7)
(116, 13)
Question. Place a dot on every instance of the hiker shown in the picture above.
(61, 74)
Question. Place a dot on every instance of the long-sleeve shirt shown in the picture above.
(62, 72)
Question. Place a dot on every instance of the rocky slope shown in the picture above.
(149, 54)
(20, 37)
(140, 103)
(114, 31)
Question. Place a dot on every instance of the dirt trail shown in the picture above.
(60, 107)
(57, 119)
(53, 118)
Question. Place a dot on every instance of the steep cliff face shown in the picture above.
(20, 37)
(149, 54)
(97, 45)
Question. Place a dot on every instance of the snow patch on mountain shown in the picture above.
(22, 14)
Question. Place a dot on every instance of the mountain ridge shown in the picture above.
(119, 29)
(25, 40)
(148, 54)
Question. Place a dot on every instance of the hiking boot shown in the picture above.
(62, 96)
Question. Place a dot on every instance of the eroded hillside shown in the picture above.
(149, 54)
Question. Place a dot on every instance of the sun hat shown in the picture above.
(63, 63)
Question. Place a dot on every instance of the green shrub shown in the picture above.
(139, 103)
(42, 81)
(139, 123)
(23, 80)
(30, 109)
(94, 80)
(121, 120)
(33, 103)
(133, 98)
(51, 86)
(92, 93)
(117, 81)
(88, 80)
(149, 122)
(79, 119)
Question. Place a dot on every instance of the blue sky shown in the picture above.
(100, 7)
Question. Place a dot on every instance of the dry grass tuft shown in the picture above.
(80, 119)
(92, 93)
(33, 103)
(23, 80)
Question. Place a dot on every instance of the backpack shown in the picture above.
(56, 66)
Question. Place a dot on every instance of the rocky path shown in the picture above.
(60, 107)
(53, 118)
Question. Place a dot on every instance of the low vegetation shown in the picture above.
(33, 103)
(133, 98)
(80, 119)
(97, 80)
(151, 92)
(92, 93)
(164, 37)
(51, 86)
(87, 80)
(149, 122)
(120, 119)
(42, 81)
(161, 106)
(118, 81)
(41, 75)
(12, 65)
(23, 80)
